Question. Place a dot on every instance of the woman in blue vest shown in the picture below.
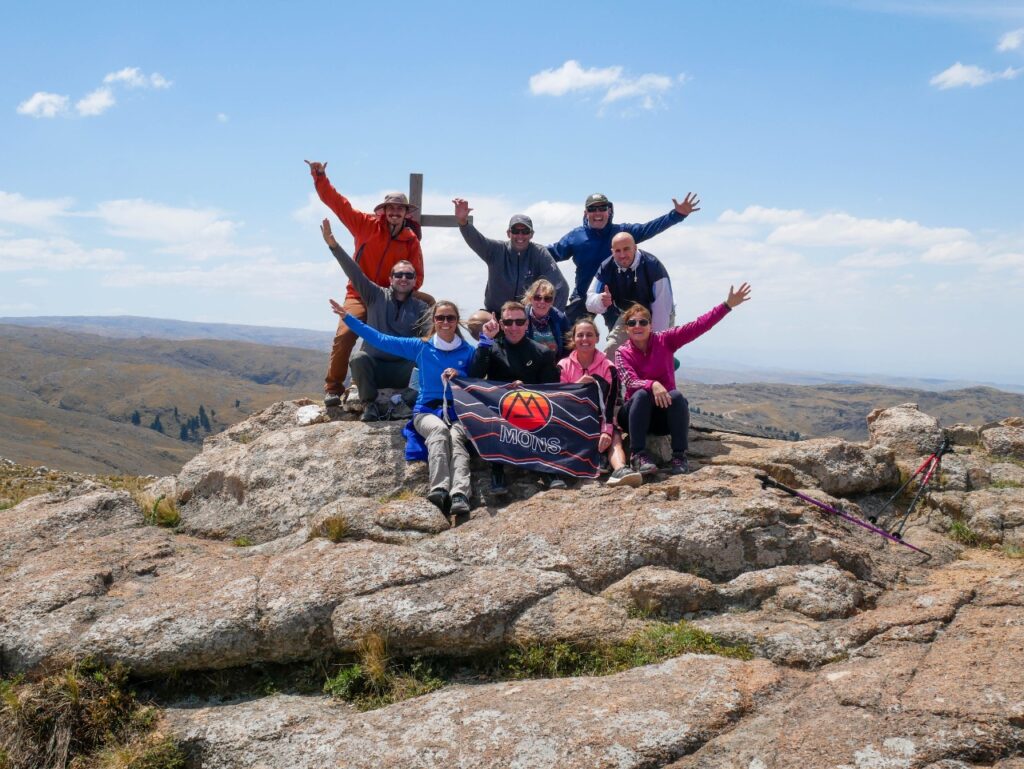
(438, 357)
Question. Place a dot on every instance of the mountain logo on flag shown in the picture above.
(525, 409)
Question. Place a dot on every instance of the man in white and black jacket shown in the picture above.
(630, 276)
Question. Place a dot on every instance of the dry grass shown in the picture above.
(83, 716)
(335, 528)
(158, 511)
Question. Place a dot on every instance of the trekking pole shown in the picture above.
(934, 465)
(767, 480)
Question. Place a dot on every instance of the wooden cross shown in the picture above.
(427, 220)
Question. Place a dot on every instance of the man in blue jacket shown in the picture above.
(590, 244)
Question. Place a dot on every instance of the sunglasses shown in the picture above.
(406, 275)
(520, 231)
(638, 322)
(513, 321)
(542, 298)
(445, 318)
(601, 207)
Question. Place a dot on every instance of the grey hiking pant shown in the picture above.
(370, 373)
(447, 453)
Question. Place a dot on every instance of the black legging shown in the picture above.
(639, 416)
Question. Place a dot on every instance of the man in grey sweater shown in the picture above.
(392, 311)
(513, 264)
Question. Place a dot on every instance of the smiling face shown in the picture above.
(624, 249)
(541, 296)
(513, 324)
(394, 214)
(446, 320)
(520, 235)
(403, 278)
(598, 215)
(638, 325)
(584, 338)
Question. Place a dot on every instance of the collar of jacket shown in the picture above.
(633, 265)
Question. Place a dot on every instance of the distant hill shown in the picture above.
(133, 327)
(841, 409)
(67, 399)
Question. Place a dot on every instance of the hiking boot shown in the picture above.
(625, 476)
(371, 412)
(401, 412)
(552, 482)
(643, 464)
(679, 465)
(460, 505)
(332, 400)
(440, 499)
(498, 487)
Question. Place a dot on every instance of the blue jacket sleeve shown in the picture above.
(641, 232)
(402, 346)
(562, 250)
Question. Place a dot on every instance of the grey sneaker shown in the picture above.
(643, 464)
(371, 412)
(553, 482)
(679, 465)
(625, 476)
(460, 505)
(332, 400)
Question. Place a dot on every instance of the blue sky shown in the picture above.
(860, 163)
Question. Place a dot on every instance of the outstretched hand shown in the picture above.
(325, 230)
(338, 310)
(491, 327)
(316, 167)
(690, 204)
(462, 210)
(736, 298)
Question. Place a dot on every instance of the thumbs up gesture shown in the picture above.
(606, 297)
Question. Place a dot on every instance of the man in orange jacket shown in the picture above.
(382, 239)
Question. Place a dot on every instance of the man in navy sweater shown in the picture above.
(590, 244)
(630, 276)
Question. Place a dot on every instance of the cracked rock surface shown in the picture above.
(866, 656)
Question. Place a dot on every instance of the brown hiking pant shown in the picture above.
(341, 350)
(345, 341)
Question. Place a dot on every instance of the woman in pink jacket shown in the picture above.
(647, 371)
(586, 364)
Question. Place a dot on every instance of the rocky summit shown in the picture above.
(294, 541)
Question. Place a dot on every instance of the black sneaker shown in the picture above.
(332, 400)
(605, 466)
(440, 499)
(679, 465)
(460, 505)
(625, 476)
(643, 464)
(498, 487)
(371, 412)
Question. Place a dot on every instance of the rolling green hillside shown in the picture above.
(67, 400)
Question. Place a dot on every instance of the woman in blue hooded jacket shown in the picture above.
(439, 357)
(546, 323)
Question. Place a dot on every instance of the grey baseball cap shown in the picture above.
(520, 219)
(597, 199)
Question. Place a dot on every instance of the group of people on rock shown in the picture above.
(530, 330)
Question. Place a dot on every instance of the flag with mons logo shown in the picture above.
(548, 428)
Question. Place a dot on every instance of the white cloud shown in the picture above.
(841, 229)
(43, 104)
(145, 220)
(1011, 41)
(16, 209)
(221, 117)
(571, 77)
(133, 77)
(52, 254)
(95, 103)
(960, 75)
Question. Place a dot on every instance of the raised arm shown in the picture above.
(680, 335)
(404, 347)
(485, 248)
(369, 291)
(360, 224)
(680, 211)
